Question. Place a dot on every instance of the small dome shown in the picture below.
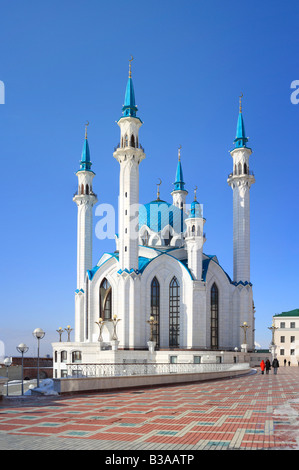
(195, 210)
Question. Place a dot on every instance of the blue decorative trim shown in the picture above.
(79, 290)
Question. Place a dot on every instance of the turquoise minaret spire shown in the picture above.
(179, 184)
(241, 139)
(85, 163)
(129, 108)
(179, 193)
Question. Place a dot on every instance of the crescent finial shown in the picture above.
(130, 60)
(86, 125)
(158, 189)
(240, 102)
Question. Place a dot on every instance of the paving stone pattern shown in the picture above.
(252, 412)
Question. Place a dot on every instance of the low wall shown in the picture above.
(84, 384)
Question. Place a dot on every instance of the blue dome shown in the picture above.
(158, 214)
(195, 210)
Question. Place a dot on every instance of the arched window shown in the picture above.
(76, 356)
(155, 309)
(214, 316)
(63, 356)
(245, 169)
(132, 143)
(126, 140)
(87, 189)
(239, 169)
(82, 188)
(105, 300)
(174, 313)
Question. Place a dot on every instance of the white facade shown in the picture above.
(286, 337)
(159, 270)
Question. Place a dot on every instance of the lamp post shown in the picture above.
(151, 322)
(68, 329)
(151, 343)
(100, 323)
(115, 320)
(245, 327)
(39, 334)
(272, 345)
(22, 348)
(60, 331)
(273, 328)
(114, 338)
(7, 362)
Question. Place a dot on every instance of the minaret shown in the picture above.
(129, 155)
(195, 238)
(85, 200)
(240, 180)
(179, 193)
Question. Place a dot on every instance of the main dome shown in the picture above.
(158, 214)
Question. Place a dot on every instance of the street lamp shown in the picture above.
(100, 324)
(151, 322)
(60, 331)
(273, 328)
(115, 320)
(22, 348)
(272, 345)
(68, 329)
(244, 328)
(39, 334)
(7, 362)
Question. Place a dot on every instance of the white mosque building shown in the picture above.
(158, 296)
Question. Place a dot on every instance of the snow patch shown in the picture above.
(46, 387)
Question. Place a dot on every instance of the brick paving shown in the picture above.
(252, 412)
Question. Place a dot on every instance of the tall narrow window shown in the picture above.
(132, 143)
(214, 316)
(105, 300)
(174, 313)
(155, 309)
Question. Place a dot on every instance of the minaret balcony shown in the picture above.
(117, 147)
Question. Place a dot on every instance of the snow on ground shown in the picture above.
(46, 387)
(288, 412)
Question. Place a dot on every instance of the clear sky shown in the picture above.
(64, 62)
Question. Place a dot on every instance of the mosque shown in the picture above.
(158, 296)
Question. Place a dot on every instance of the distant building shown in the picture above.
(286, 336)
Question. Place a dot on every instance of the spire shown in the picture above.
(129, 108)
(179, 184)
(85, 163)
(241, 139)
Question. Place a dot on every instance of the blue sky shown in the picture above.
(65, 62)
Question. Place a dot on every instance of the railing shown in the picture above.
(129, 369)
(135, 147)
(250, 173)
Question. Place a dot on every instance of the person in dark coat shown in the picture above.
(268, 366)
(275, 365)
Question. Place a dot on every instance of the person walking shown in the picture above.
(275, 365)
(268, 366)
(262, 366)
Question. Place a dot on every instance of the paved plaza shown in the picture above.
(251, 412)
